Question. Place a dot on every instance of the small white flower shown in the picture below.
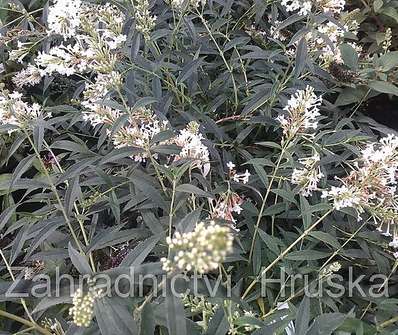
(231, 165)
(394, 243)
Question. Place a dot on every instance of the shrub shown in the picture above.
(210, 149)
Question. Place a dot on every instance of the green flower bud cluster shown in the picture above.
(83, 306)
(201, 250)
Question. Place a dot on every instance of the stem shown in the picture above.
(157, 171)
(260, 214)
(55, 191)
(284, 253)
(171, 208)
(74, 206)
(23, 302)
(24, 322)
(229, 68)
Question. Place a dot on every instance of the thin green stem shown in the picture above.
(81, 223)
(262, 208)
(229, 68)
(284, 253)
(55, 191)
(171, 211)
(25, 322)
(23, 302)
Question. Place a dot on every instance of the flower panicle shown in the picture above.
(201, 250)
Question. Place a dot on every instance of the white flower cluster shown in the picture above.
(139, 132)
(14, 111)
(93, 33)
(308, 176)
(179, 4)
(344, 196)
(201, 250)
(228, 204)
(98, 114)
(98, 89)
(275, 33)
(330, 269)
(83, 306)
(27, 77)
(303, 7)
(192, 147)
(302, 113)
(238, 177)
(64, 17)
(145, 22)
(306, 7)
(66, 60)
(335, 34)
(325, 38)
(109, 23)
(371, 186)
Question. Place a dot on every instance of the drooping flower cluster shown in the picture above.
(201, 250)
(64, 17)
(95, 92)
(308, 176)
(192, 147)
(27, 77)
(145, 22)
(305, 7)
(92, 32)
(228, 204)
(15, 112)
(63, 59)
(238, 177)
(83, 306)
(302, 113)
(371, 186)
(141, 128)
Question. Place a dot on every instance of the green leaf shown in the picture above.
(21, 168)
(147, 324)
(384, 87)
(140, 252)
(188, 223)
(327, 238)
(189, 69)
(114, 318)
(6, 215)
(303, 317)
(377, 5)
(301, 56)
(256, 101)
(285, 195)
(79, 261)
(389, 60)
(349, 55)
(188, 188)
(176, 322)
(307, 255)
(326, 324)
